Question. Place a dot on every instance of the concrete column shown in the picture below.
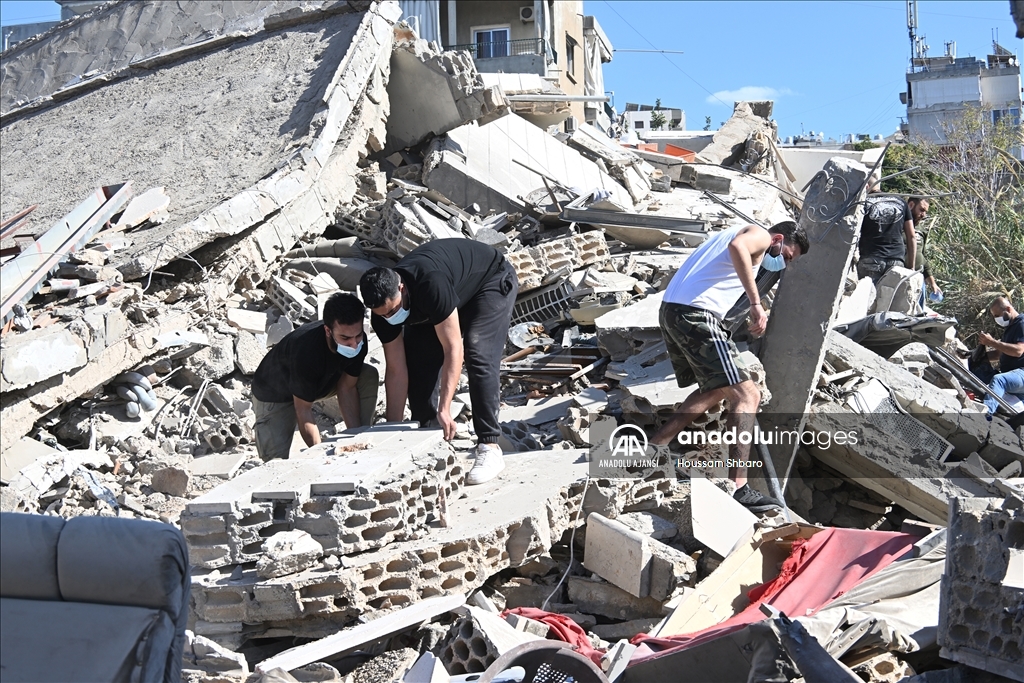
(805, 306)
(453, 34)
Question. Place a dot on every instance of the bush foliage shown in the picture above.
(975, 245)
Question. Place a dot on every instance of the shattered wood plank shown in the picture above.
(349, 639)
(23, 275)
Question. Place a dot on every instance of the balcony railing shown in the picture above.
(503, 48)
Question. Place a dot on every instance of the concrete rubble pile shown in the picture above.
(127, 360)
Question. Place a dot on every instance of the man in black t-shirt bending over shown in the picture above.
(313, 362)
(446, 302)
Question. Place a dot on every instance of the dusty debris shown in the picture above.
(125, 370)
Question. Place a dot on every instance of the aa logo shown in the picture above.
(628, 441)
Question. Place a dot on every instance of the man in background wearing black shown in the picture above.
(313, 362)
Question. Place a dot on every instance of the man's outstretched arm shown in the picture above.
(750, 243)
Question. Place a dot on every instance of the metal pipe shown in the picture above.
(898, 173)
(904, 194)
(718, 200)
(557, 98)
(773, 478)
(749, 175)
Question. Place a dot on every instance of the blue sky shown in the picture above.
(830, 66)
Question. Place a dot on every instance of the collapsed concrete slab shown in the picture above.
(328, 66)
(536, 266)
(730, 141)
(504, 523)
(540, 110)
(89, 50)
(983, 586)
(808, 297)
(438, 90)
(672, 166)
(886, 464)
(626, 331)
(654, 389)
(608, 600)
(496, 164)
(21, 409)
(38, 355)
(622, 164)
(941, 412)
(345, 122)
(351, 494)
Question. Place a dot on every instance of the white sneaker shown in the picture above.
(489, 463)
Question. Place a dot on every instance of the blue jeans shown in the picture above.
(1011, 382)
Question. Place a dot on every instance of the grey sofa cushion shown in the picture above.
(109, 561)
(73, 641)
(92, 599)
(28, 556)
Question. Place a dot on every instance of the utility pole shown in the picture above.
(918, 47)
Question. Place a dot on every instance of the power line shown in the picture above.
(655, 48)
(829, 104)
(28, 20)
(670, 52)
(880, 112)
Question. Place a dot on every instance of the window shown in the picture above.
(639, 124)
(570, 56)
(1011, 115)
(491, 42)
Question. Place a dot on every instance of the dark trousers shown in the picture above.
(484, 322)
(875, 268)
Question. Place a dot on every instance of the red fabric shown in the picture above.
(817, 571)
(563, 628)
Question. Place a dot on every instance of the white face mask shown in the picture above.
(1003, 320)
(401, 315)
(348, 351)
(398, 317)
(773, 263)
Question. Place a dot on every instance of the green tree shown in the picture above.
(976, 233)
(658, 120)
(862, 145)
(707, 123)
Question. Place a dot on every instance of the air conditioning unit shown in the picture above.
(526, 13)
(571, 124)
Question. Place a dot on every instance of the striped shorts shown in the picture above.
(701, 350)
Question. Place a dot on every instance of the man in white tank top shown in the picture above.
(701, 350)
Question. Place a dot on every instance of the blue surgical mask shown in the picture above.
(773, 263)
(398, 317)
(348, 351)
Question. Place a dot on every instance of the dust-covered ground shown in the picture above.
(205, 128)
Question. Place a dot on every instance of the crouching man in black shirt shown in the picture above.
(445, 302)
(313, 362)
